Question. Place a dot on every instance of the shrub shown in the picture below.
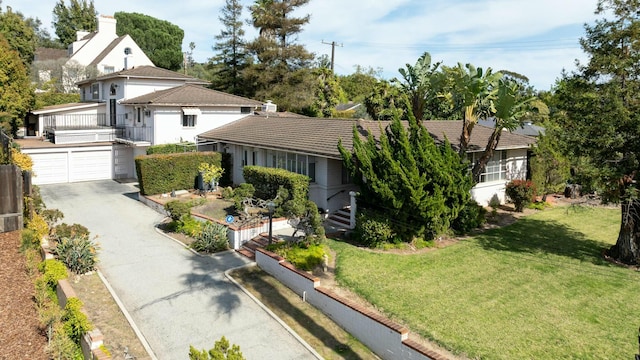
(65, 231)
(470, 217)
(212, 238)
(75, 321)
(227, 192)
(373, 229)
(221, 350)
(61, 346)
(22, 160)
(52, 270)
(78, 253)
(302, 256)
(242, 192)
(171, 148)
(269, 182)
(30, 239)
(39, 226)
(189, 226)
(51, 216)
(521, 192)
(178, 209)
(210, 172)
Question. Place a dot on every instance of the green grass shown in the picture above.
(536, 289)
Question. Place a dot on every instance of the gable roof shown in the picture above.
(191, 95)
(320, 136)
(107, 50)
(146, 72)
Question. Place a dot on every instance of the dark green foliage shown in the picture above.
(472, 216)
(383, 103)
(267, 183)
(163, 173)
(29, 239)
(160, 40)
(232, 57)
(373, 229)
(213, 238)
(245, 190)
(521, 192)
(78, 253)
(549, 167)
(419, 185)
(177, 209)
(16, 92)
(78, 16)
(222, 350)
(171, 148)
(65, 231)
(75, 321)
(19, 34)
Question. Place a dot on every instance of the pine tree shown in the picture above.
(420, 186)
(232, 56)
(16, 94)
(281, 71)
(79, 16)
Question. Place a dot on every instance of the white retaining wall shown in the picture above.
(384, 337)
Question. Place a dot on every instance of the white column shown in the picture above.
(354, 209)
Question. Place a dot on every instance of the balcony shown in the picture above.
(77, 128)
(135, 135)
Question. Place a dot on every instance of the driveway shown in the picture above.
(175, 297)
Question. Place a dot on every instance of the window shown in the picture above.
(297, 163)
(109, 69)
(496, 168)
(188, 120)
(127, 51)
(245, 110)
(95, 91)
(112, 89)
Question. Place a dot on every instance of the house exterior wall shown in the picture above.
(118, 60)
(168, 129)
(516, 169)
(84, 52)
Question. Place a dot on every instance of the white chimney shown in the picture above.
(107, 25)
(269, 106)
(128, 62)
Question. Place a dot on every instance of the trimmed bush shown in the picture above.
(162, 173)
(189, 226)
(171, 148)
(78, 253)
(521, 192)
(212, 238)
(52, 270)
(65, 231)
(470, 217)
(269, 181)
(372, 229)
(178, 209)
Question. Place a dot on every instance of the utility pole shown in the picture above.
(333, 51)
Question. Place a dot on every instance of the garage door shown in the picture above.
(89, 165)
(50, 168)
(55, 166)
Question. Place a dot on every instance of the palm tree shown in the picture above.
(263, 18)
(418, 84)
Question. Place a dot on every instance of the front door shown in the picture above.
(112, 112)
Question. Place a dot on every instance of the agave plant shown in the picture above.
(78, 253)
(213, 238)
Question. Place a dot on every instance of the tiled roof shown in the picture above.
(191, 95)
(61, 107)
(320, 136)
(107, 50)
(147, 72)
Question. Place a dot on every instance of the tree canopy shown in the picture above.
(19, 33)
(78, 16)
(417, 184)
(232, 57)
(599, 116)
(16, 94)
(160, 40)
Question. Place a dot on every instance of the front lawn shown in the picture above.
(537, 289)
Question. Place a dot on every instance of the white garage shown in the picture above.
(54, 165)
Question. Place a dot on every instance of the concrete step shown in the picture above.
(247, 253)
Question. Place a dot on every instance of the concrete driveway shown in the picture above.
(175, 297)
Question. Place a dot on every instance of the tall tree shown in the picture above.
(281, 66)
(16, 94)
(421, 186)
(600, 115)
(232, 57)
(327, 93)
(19, 33)
(418, 85)
(360, 83)
(78, 16)
(384, 102)
(160, 40)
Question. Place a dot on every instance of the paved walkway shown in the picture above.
(175, 297)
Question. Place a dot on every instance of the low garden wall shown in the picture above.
(237, 234)
(384, 337)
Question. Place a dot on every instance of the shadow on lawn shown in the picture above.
(550, 237)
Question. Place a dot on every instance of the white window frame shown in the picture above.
(496, 167)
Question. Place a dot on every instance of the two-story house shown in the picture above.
(120, 115)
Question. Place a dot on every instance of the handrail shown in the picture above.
(334, 195)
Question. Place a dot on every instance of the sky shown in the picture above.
(537, 39)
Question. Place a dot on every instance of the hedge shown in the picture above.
(163, 173)
(267, 182)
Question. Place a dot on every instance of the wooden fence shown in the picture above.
(11, 198)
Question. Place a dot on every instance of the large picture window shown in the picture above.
(496, 168)
(297, 163)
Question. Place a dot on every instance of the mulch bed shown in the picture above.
(21, 336)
